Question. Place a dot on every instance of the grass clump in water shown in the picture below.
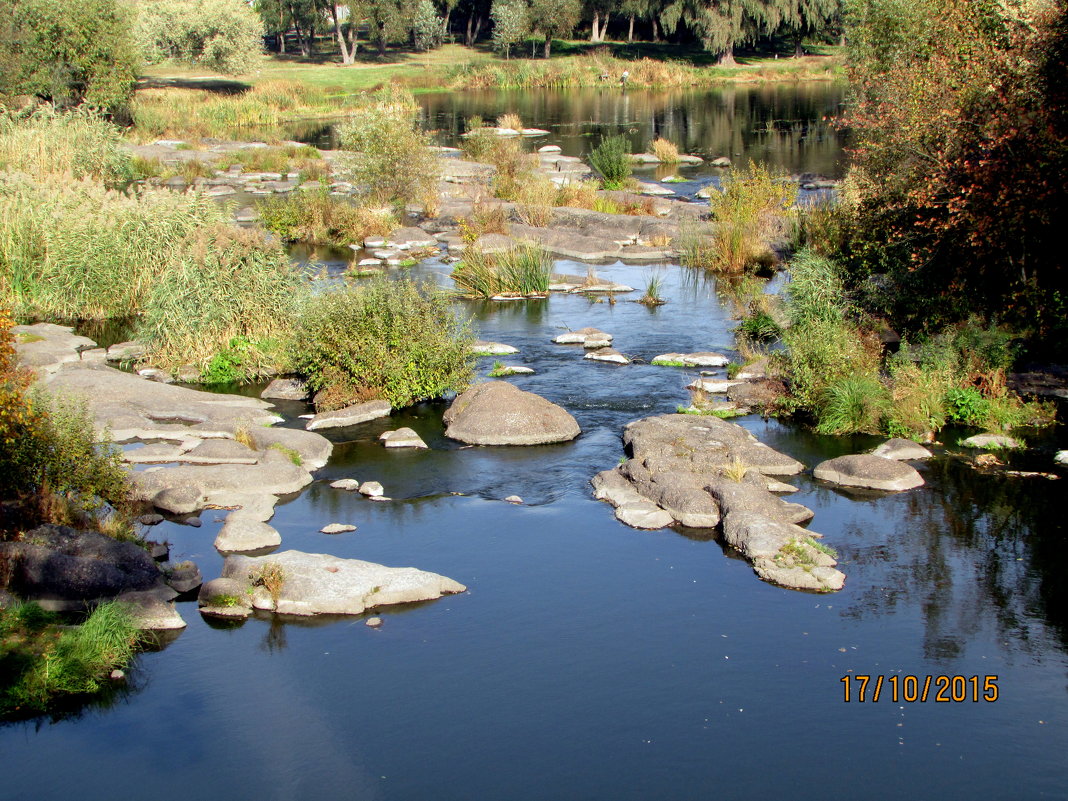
(665, 150)
(611, 158)
(42, 663)
(521, 270)
(397, 340)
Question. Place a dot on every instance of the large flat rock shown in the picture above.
(869, 472)
(318, 584)
(499, 413)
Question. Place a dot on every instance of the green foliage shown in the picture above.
(428, 29)
(611, 158)
(228, 291)
(395, 339)
(68, 51)
(759, 327)
(554, 19)
(80, 143)
(220, 35)
(43, 664)
(511, 24)
(391, 160)
(852, 403)
(521, 270)
(322, 219)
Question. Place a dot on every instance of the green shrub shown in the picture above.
(852, 403)
(42, 663)
(322, 219)
(229, 290)
(395, 339)
(80, 143)
(391, 158)
(611, 158)
(69, 51)
(219, 35)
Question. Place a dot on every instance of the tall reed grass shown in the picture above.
(80, 143)
(522, 270)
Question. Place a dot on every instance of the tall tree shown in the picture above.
(554, 18)
(511, 24)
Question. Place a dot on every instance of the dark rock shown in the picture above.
(63, 564)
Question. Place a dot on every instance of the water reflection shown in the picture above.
(788, 127)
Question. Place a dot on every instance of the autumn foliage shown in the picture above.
(960, 161)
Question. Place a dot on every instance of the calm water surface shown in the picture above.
(589, 660)
(789, 127)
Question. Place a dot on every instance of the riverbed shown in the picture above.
(589, 660)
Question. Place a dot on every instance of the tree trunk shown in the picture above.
(630, 30)
(346, 57)
(726, 58)
(548, 45)
(595, 28)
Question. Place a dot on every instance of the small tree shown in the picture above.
(428, 29)
(221, 35)
(511, 24)
(68, 51)
(554, 18)
(391, 158)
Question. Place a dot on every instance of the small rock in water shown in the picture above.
(349, 484)
(513, 499)
(337, 528)
(373, 622)
(372, 489)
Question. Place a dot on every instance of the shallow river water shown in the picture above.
(589, 660)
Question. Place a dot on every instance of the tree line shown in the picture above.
(718, 26)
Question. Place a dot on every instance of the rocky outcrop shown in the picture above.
(499, 413)
(65, 569)
(869, 472)
(783, 553)
(296, 583)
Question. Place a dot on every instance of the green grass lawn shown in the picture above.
(421, 70)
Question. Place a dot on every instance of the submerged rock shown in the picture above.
(316, 584)
(870, 472)
(499, 413)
